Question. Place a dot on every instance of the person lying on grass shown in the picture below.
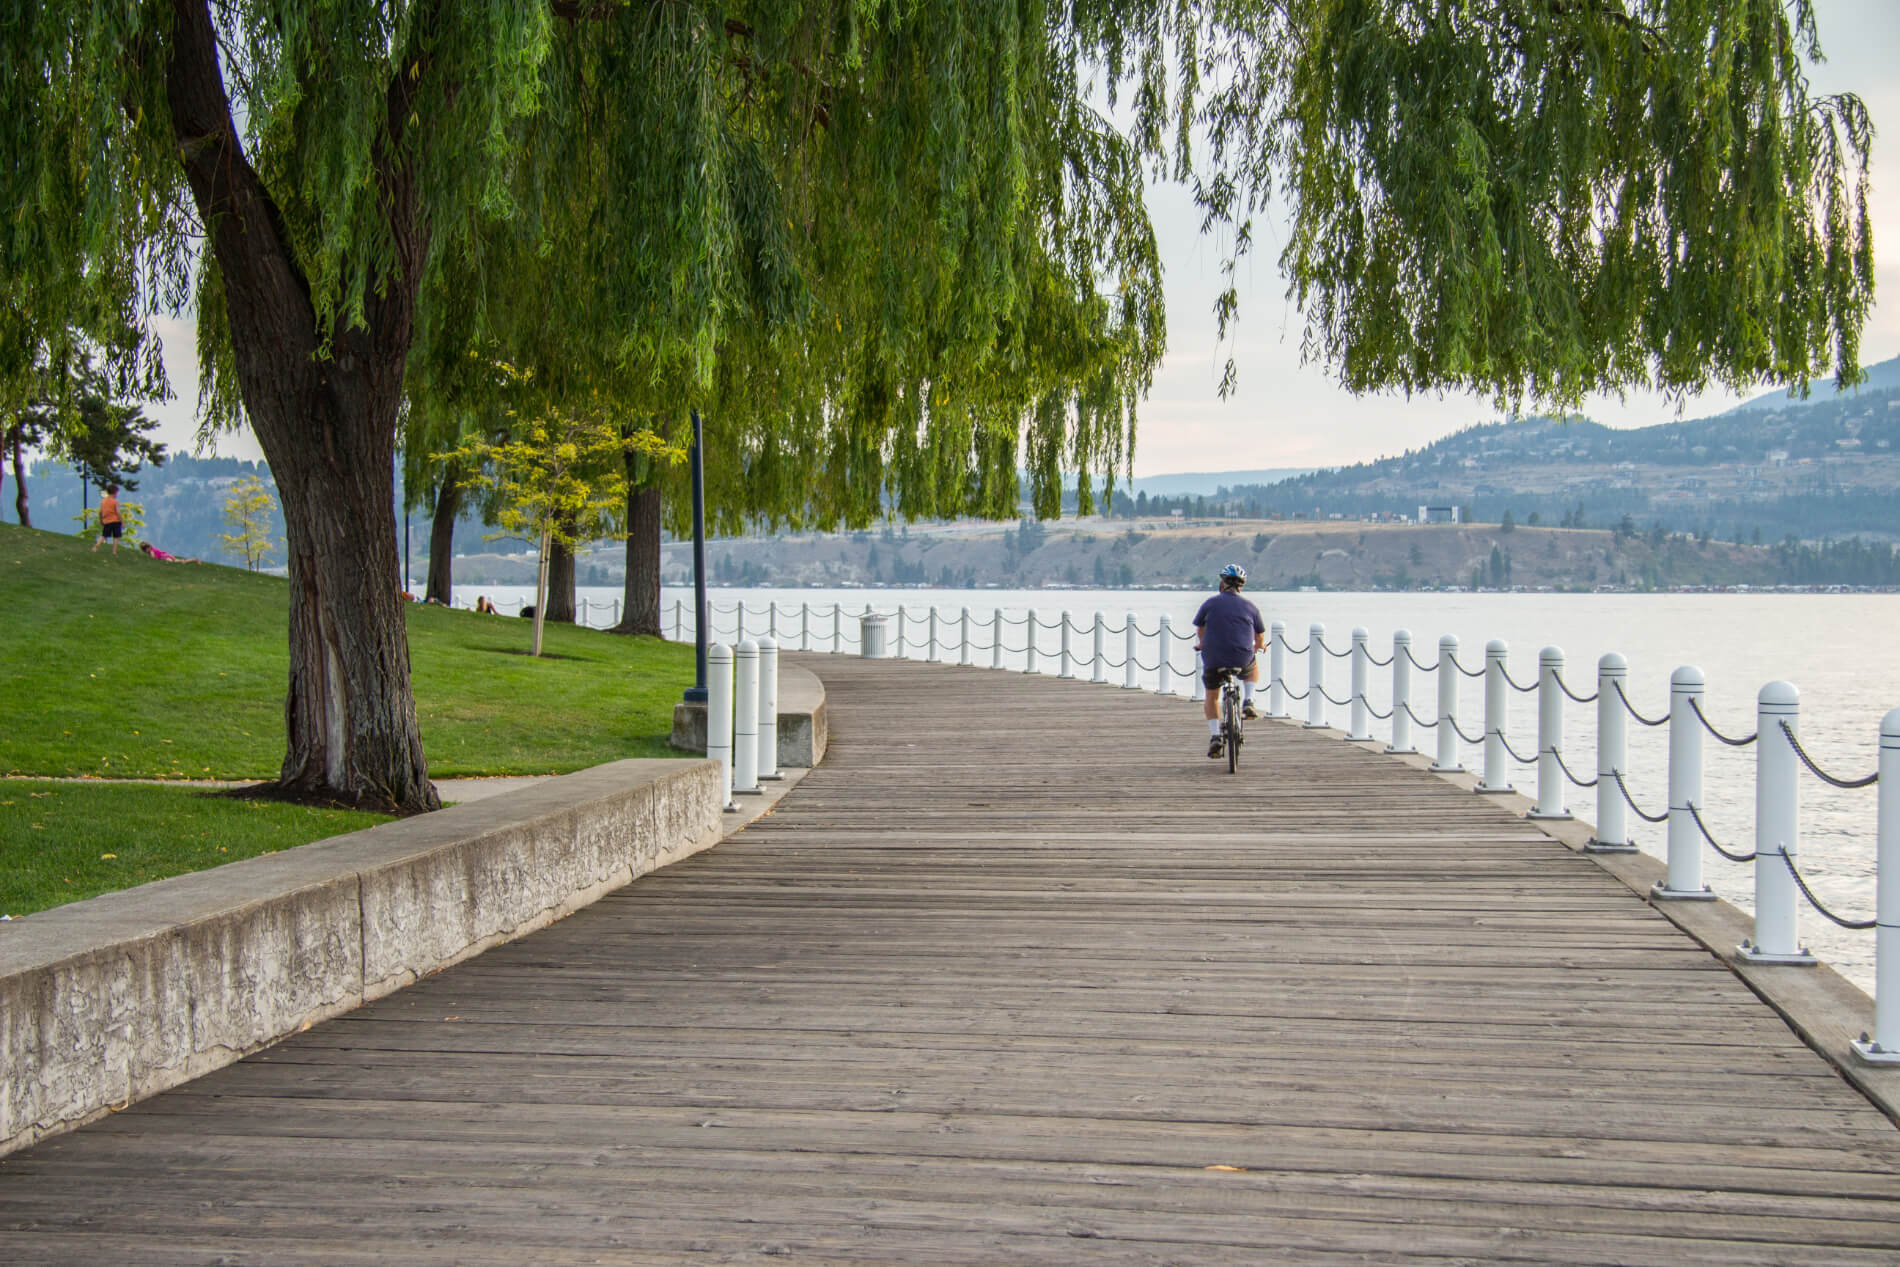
(163, 556)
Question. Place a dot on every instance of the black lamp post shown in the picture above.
(696, 693)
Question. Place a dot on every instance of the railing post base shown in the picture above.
(1873, 1053)
(1748, 953)
(1661, 892)
(1593, 845)
(1559, 817)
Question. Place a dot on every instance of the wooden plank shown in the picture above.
(1009, 973)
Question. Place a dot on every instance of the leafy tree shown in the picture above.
(894, 252)
(247, 509)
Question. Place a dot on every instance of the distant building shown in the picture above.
(1438, 514)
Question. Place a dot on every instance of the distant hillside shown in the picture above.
(1882, 377)
(1827, 469)
(1209, 483)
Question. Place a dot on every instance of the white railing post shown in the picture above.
(1361, 714)
(771, 621)
(1029, 635)
(719, 716)
(804, 624)
(1068, 651)
(1612, 757)
(768, 707)
(1550, 735)
(996, 640)
(1684, 880)
(1401, 692)
(1497, 774)
(1166, 640)
(1448, 761)
(1099, 664)
(738, 615)
(1883, 1046)
(963, 637)
(837, 628)
(1777, 936)
(745, 719)
(900, 632)
(935, 654)
(679, 620)
(1129, 681)
(1315, 677)
(1276, 669)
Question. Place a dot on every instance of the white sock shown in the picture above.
(1246, 692)
(1213, 727)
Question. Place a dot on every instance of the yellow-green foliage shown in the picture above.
(247, 509)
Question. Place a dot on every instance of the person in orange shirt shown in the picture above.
(111, 522)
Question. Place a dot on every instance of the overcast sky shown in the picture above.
(1285, 414)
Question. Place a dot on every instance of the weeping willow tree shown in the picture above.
(890, 246)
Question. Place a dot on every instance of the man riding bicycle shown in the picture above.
(1230, 631)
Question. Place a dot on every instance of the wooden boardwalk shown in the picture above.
(1020, 976)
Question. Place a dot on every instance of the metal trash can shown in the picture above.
(874, 637)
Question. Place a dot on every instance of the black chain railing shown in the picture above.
(1386, 715)
(1631, 708)
(1461, 668)
(1513, 683)
(1817, 771)
(1565, 688)
(1325, 695)
(1639, 810)
(1293, 694)
(1293, 650)
(1715, 844)
(1458, 730)
(1695, 706)
(1816, 902)
(1337, 655)
(1377, 662)
(1521, 760)
(1422, 668)
(1417, 720)
(1562, 765)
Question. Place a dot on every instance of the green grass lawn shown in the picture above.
(60, 842)
(116, 666)
(122, 667)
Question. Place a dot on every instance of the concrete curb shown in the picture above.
(110, 1000)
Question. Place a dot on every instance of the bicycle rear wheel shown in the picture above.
(1230, 727)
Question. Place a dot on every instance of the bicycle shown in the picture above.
(1231, 718)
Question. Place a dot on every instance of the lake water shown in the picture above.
(1837, 649)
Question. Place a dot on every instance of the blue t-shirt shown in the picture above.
(1228, 624)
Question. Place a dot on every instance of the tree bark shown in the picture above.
(326, 420)
(19, 477)
(448, 506)
(560, 597)
(640, 608)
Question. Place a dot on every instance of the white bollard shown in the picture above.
(1361, 714)
(1067, 660)
(768, 708)
(1315, 677)
(935, 654)
(679, 620)
(1612, 757)
(1029, 636)
(771, 621)
(1276, 670)
(745, 719)
(738, 609)
(804, 624)
(719, 716)
(900, 631)
(1497, 774)
(1883, 1047)
(1550, 735)
(1684, 881)
(1447, 761)
(1777, 830)
(1129, 681)
(963, 638)
(1401, 692)
(1166, 639)
(837, 628)
(996, 641)
(1099, 663)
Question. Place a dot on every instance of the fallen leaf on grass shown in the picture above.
(1234, 1169)
(107, 856)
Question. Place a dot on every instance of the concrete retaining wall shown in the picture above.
(110, 1000)
(802, 731)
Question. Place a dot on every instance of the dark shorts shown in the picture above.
(111, 531)
(1210, 677)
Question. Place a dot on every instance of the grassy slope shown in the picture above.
(117, 666)
(61, 842)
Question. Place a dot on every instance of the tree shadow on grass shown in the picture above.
(523, 651)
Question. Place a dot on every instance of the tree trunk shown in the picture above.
(323, 405)
(640, 610)
(448, 506)
(19, 478)
(541, 592)
(560, 598)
